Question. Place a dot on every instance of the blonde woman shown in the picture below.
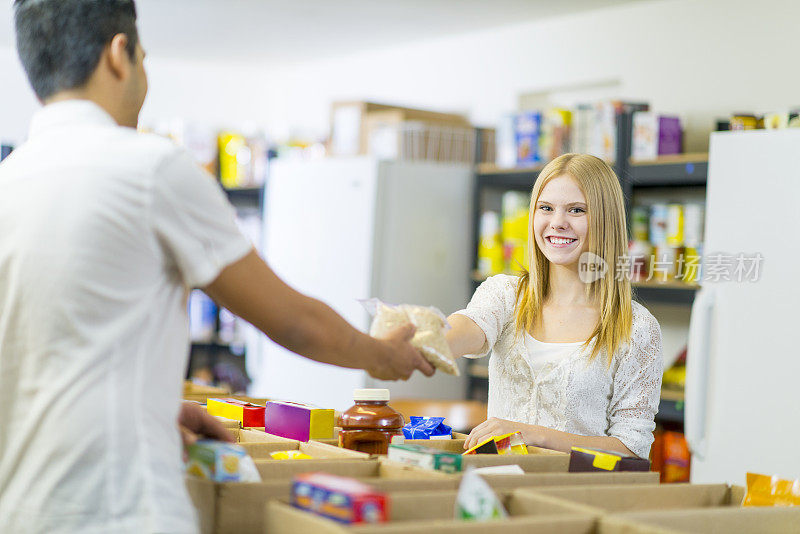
(575, 362)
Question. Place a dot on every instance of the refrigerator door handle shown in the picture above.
(697, 364)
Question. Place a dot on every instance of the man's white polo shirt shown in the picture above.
(102, 232)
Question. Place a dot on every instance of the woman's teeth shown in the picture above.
(560, 240)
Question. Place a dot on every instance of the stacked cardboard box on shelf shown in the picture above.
(395, 132)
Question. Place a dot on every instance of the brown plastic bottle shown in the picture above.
(371, 423)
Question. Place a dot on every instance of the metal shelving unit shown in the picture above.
(243, 199)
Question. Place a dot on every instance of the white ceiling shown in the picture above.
(283, 31)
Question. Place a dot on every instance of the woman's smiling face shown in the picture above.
(561, 222)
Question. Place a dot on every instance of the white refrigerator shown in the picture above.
(343, 229)
(743, 362)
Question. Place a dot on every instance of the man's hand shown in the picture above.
(195, 423)
(396, 358)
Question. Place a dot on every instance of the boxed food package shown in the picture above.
(247, 413)
(302, 422)
(555, 133)
(655, 135)
(339, 498)
(704, 521)
(220, 462)
(581, 460)
(425, 457)
(527, 131)
(511, 443)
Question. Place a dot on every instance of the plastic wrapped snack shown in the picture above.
(430, 335)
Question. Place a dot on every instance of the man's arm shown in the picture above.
(251, 290)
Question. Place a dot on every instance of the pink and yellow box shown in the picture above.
(298, 421)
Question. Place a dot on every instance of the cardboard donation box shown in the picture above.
(774, 520)
(298, 421)
(245, 412)
(432, 512)
(602, 500)
(235, 508)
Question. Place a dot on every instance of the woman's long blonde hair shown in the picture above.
(607, 238)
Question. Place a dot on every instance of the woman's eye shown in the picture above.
(545, 208)
(578, 210)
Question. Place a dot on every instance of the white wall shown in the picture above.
(702, 58)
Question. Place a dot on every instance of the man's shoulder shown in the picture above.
(149, 147)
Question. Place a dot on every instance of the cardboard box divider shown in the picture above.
(246, 435)
(605, 499)
(318, 451)
(430, 513)
(755, 520)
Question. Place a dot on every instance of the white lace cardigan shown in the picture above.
(571, 395)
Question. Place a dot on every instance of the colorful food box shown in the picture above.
(527, 132)
(339, 498)
(302, 422)
(425, 457)
(247, 413)
(219, 461)
(506, 444)
(582, 460)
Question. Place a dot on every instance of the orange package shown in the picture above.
(677, 459)
(764, 490)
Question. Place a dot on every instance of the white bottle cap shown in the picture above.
(370, 395)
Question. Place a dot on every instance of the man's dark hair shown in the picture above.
(60, 41)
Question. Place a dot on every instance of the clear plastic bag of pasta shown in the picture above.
(429, 337)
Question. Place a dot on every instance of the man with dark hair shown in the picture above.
(102, 233)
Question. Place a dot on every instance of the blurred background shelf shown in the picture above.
(668, 171)
(518, 178)
(245, 196)
(664, 292)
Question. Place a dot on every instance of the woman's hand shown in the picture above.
(493, 426)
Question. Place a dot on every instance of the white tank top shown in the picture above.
(541, 354)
